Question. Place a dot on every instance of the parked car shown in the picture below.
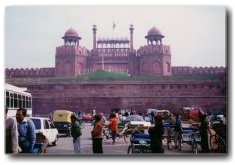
(46, 127)
(62, 121)
(87, 117)
(137, 120)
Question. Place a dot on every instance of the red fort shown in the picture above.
(58, 88)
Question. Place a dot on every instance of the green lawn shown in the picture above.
(104, 75)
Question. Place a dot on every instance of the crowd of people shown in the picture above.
(21, 134)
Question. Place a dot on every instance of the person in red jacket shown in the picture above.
(97, 135)
(113, 125)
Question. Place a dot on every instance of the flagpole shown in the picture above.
(103, 61)
(113, 30)
(114, 25)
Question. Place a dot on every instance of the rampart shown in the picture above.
(83, 96)
(176, 70)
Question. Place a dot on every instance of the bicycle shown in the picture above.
(170, 137)
(178, 140)
(196, 138)
(192, 137)
(122, 133)
(140, 143)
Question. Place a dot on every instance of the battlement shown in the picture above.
(32, 72)
(186, 70)
(71, 50)
(154, 49)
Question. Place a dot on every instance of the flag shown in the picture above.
(114, 25)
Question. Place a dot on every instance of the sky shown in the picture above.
(196, 34)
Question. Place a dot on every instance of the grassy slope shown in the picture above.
(112, 76)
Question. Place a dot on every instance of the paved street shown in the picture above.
(65, 147)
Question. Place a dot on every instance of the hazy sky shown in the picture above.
(196, 34)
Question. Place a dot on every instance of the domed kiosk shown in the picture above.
(71, 37)
(154, 34)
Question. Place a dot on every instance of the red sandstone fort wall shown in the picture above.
(103, 96)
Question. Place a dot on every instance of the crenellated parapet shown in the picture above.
(30, 72)
(66, 50)
(154, 50)
(186, 70)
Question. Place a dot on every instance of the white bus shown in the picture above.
(17, 97)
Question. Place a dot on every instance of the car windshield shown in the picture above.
(37, 123)
(134, 118)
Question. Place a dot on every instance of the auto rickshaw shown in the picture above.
(62, 121)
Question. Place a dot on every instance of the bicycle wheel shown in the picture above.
(125, 138)
(169, 146)
(214, 142)
(179, 143)
(106, 133)
(194, 147)
(222, 145)
(131, 149)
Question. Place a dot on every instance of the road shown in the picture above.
(65, 146)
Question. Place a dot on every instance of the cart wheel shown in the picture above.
(106, 133)
(131, 149)
(179, 143)
(125, 137)
(194, 147)
(214, 143)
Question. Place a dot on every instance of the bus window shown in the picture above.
(30, 102)
(27, 102)
(7, 99)
(12, 100)
(20, 101)
(24, 100)
(15, 101)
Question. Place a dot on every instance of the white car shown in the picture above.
(137, 120)
(46, 126)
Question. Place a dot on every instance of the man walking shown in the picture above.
(177, 130)
(76, 133)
